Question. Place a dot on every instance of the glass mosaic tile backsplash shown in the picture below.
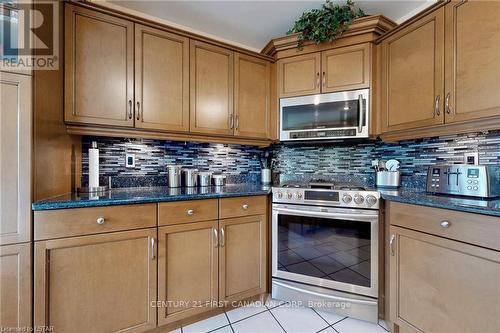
(341, 161)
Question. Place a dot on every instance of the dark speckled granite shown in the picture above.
(419, 197)
(150, 194)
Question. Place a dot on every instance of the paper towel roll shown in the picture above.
(94, 166)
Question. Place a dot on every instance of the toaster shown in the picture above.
(464, 179)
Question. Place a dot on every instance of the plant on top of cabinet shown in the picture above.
(325, 24)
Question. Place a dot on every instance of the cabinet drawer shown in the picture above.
(475, 229)
(187, 211)
(84, 221)
(242, 206)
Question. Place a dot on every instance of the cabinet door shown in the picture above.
(412, 75)
(15, 287)
(211, 80)
(299, 75)
(443, 286)
(99, 68)
(103, 283)
(251, 96)
(346, 68)
(187, 270)
(472, 63)
(242, 255)
(15, 158)
(161, 80)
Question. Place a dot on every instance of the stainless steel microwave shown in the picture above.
(339, 115)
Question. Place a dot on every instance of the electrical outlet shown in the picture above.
(471, 158)
(130, 161)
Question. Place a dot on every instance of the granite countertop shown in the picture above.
(126, 196)
(148, 195)
(420, 197)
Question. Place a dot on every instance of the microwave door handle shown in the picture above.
(361, 114)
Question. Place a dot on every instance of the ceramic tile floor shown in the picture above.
(280, 317)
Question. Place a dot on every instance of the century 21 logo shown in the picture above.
(29, 35)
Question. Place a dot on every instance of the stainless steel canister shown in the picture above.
(219, 180)
(190, 177)
(204, 178)
(174, 175)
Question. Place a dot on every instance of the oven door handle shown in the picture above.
(354, 217)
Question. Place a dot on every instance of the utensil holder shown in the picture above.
(388, 179)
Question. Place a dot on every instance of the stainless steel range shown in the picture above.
(325, 247)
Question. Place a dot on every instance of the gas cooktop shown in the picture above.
(326, 194)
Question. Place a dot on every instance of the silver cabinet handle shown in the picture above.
(361, 113)
(445, 224)
(436, 106)
(231, 121)
(129, 109)
(237, 125)
(391, 244)
(222, 237)
(447, 103)
(216, 237)
(100, 220)
(324, 79)
(138, 111)
(317, 79)
(245, 206)
(190, 212)
(153, 254)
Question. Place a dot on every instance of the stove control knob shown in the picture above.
(346, 198)
(298, 195)
(371, 200)
(289, 195)
(279, 195)
(358, 199)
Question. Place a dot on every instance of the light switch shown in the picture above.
(130, 161)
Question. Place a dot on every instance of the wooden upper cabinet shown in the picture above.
(346, 68)
(412, 75)
(472, 60)
(243, 264)
(15, 287)
(100, 283)
(439, 285)
(161, 80)
(15, 158)
(211, 91)
(251, 96)
(187, 269)
(299, 75)
(99, 68)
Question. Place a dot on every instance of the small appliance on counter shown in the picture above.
(387, 174)
(481, 181)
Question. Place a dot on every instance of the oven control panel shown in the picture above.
(334, 198)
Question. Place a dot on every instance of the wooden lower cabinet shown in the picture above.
(100, 283)
(187, 270)
(15, 288)
(440, 285)
(242, 256)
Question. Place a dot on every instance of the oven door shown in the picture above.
(335, 248)
(325, 116)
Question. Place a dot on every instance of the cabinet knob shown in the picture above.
(445, 224)
(190, 212)
(245, 206)
(100, 220)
